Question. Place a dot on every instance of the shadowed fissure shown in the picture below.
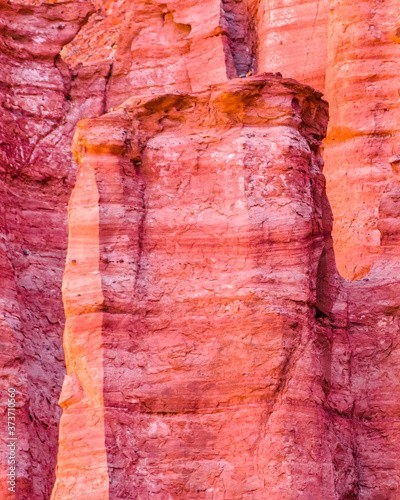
(242, 36)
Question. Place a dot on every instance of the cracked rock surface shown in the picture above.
(190, 308)
(212, 349)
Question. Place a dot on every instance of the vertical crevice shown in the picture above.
(142, 210)
(107, 87)
(242, 35)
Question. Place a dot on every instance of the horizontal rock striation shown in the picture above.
(374, 319)
(37, 173)
(156, 47)
(363, 95)
(196, 363)
(292, 38)
(162, 46)
(212, 349)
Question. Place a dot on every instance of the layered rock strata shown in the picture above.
(36, 176)
(350, 54)
(345, 345)
(355, 53)
(374, 320)
(157, 47)
(42, 99)
(212, 348)
(196, 365)
(363, 95)
(164, 46)
(292, 38)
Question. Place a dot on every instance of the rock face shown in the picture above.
(363, 95)
(353, 57)
(164, 46)
(158, 47)
(292, 38)
(374, 332)
(212, 349)
(196, 228)
(36, 176)
(351, 54)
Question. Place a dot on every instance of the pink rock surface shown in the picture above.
(373, 325)
(167, 47)
(352, 54)
(36, 176)
(156, 47)
(363, 95)
(306, 40)
(212, 349)
(292, 38)
(189, 291)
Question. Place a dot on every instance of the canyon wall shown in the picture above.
(211, 347)
(196, 229)
(363, 96)
(213, 350)
(351, 54)
(36, 176)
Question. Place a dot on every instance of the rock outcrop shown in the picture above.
(212, 348)
(36, 177)
(352, 56)
(374, 319)
(196, 228)
(363, 95)
(292, 38)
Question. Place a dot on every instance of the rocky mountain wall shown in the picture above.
(350, 53)
(190, 310)
(199, 210)
(363, 95)
(36, 176)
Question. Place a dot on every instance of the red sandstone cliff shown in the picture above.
(190, 306)
(363, 95)
(36, 176)
(350, 53)
(212, 349)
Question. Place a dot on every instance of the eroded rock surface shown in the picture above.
(363, 95)
(36, 177)
(374, 332)
(196, 364)
(352, 56)
(213, 351)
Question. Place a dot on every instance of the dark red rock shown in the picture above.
(36, 176)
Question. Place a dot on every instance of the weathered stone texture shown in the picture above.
(212, 348)
(195, 235)
(36, 176)
(363, 95)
